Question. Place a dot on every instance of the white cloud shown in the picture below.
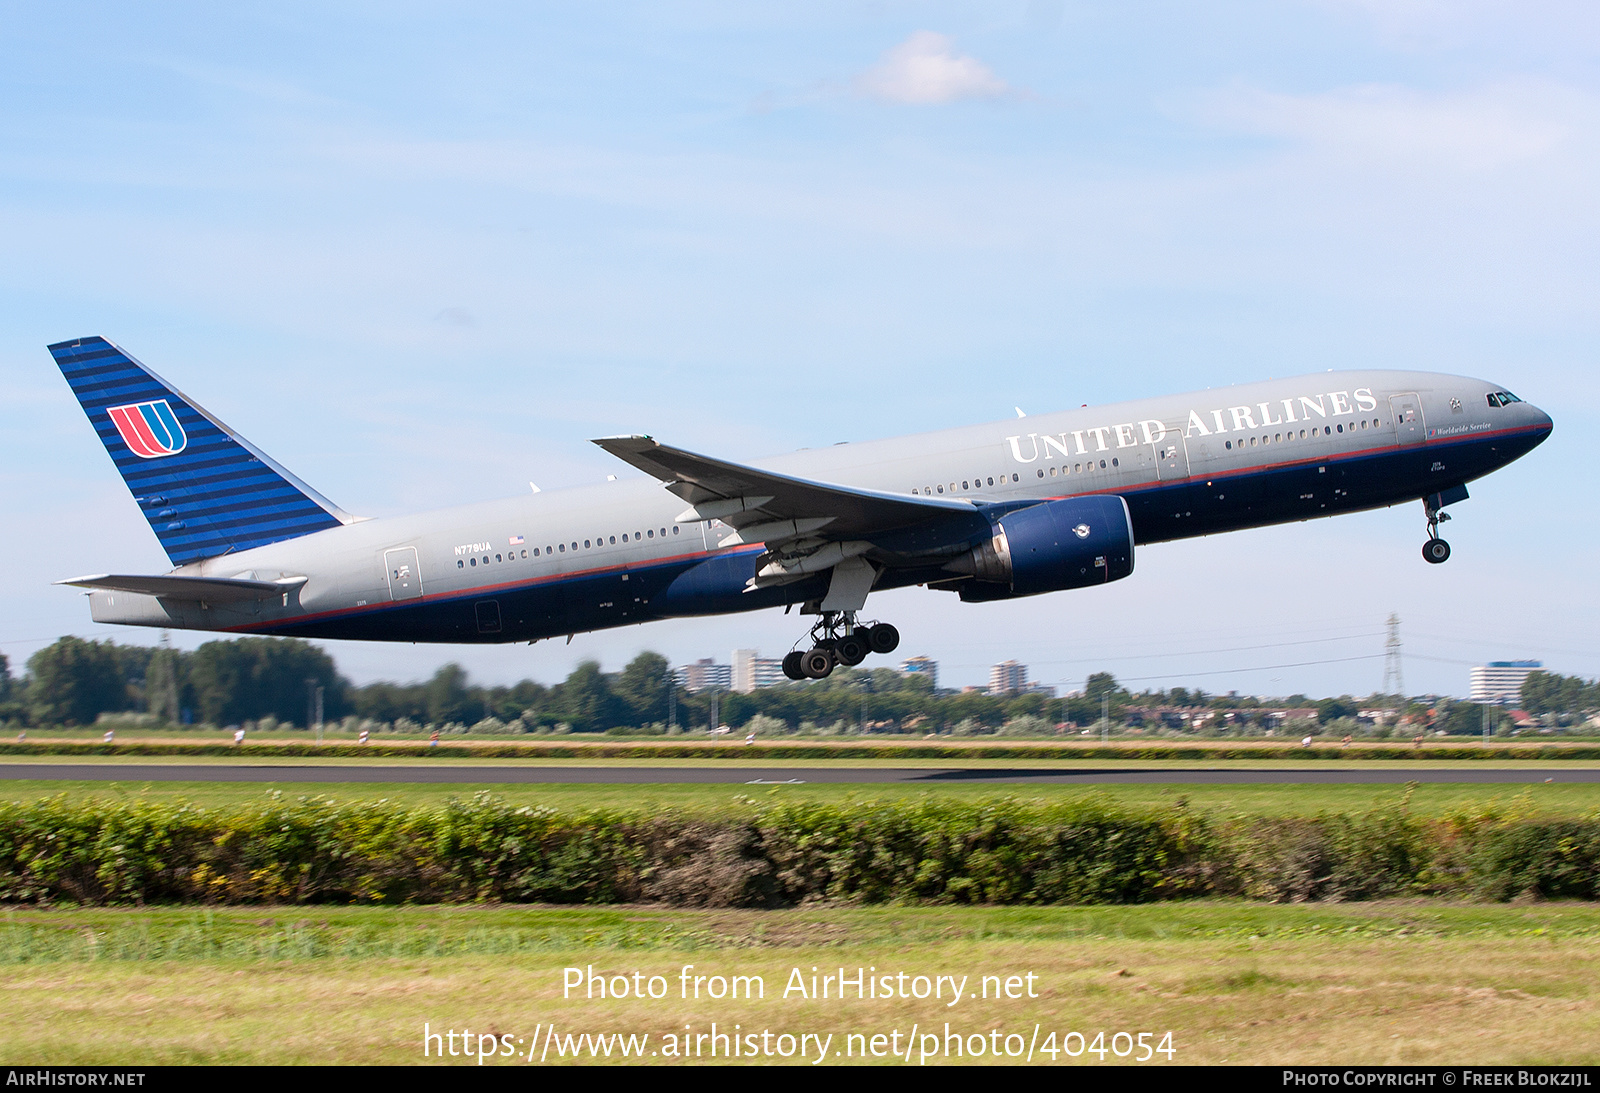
(1483, 129)
(925, 69)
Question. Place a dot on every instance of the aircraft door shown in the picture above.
(1172, 458)
(1409, 428)
(404, 575)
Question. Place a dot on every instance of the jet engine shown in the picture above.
(1049, 547)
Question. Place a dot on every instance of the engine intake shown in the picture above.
(1050, 547)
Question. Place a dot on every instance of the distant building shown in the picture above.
(1500, 681)
(705, 675)
(750, 671)
(1008, 678)
(922, 666)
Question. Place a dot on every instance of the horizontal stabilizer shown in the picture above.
(206, 490)
(741, 495)
(207, 589)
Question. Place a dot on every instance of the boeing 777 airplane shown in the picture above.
(989, 512)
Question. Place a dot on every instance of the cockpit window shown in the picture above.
(1502, 398)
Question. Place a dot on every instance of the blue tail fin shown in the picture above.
(205, 489)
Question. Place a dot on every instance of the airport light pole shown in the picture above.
(314, 707)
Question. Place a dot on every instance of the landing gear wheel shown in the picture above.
(1436, 550)
(851, 649)
(817, 664)
(883, 638)
(791, 665)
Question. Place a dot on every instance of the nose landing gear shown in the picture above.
(836, 639)
(1435, 550)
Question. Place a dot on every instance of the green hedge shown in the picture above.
(1000, 851)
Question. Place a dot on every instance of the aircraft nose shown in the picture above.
(1541, 420)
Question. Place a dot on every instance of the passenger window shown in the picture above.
(674, 529)
(1052, 472)
(525, 553)
(1228, 444)
(1014, 478)
(964, 485)
(474, 561)
(563, 548)
(1341, 428)
(1102, 464)
(460, 564)
(1041, 472)
(941, 488)
(614, 540)
(651, 533)
(535, 552)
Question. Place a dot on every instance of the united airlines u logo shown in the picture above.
(149, 429)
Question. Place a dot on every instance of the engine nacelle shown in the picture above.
(1049, 547)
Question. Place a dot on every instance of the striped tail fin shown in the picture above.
(205, 489)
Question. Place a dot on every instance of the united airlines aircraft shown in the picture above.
(988, 512)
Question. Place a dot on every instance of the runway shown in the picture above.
(1373, 774)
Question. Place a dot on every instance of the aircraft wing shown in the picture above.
(208, 589)
(768, 507)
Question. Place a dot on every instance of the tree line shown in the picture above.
(227, 682)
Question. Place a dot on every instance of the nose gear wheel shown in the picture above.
(1435, 550)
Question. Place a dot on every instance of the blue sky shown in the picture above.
(420, 253)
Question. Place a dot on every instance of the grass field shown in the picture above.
(1377, 983)
(1286, 799)
(1239, 983)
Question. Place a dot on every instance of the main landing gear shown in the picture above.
(838, 638)
(1435, 550)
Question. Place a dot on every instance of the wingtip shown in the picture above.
(81, 580)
